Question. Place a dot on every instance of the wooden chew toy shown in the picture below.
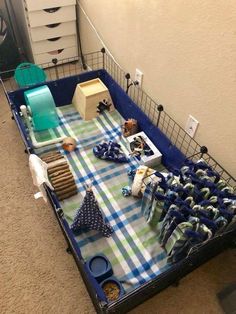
(60, 175)
(130, 127)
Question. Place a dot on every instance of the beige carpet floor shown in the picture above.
(36, 273)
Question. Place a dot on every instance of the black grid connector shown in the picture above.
(203, 150)
(128, 83)
(54, 61)
(160, 108)
(103, 51)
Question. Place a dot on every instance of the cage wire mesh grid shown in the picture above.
(155, 111)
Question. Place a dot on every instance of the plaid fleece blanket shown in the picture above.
(133, 249)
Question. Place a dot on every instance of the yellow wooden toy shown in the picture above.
(89, 97)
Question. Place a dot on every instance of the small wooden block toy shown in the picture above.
(130, 127)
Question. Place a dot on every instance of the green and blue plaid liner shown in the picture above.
(133, 248)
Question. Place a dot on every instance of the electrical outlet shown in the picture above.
(138, 77)
(191, 126)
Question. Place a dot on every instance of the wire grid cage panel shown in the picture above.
(61, 69)
(176, 134)
(101, 60)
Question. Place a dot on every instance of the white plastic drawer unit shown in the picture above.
(34, 5)
(54, 44)
(59, 54)
(51, 16)
(53, 30)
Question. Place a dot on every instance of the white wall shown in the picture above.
(187, 52)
